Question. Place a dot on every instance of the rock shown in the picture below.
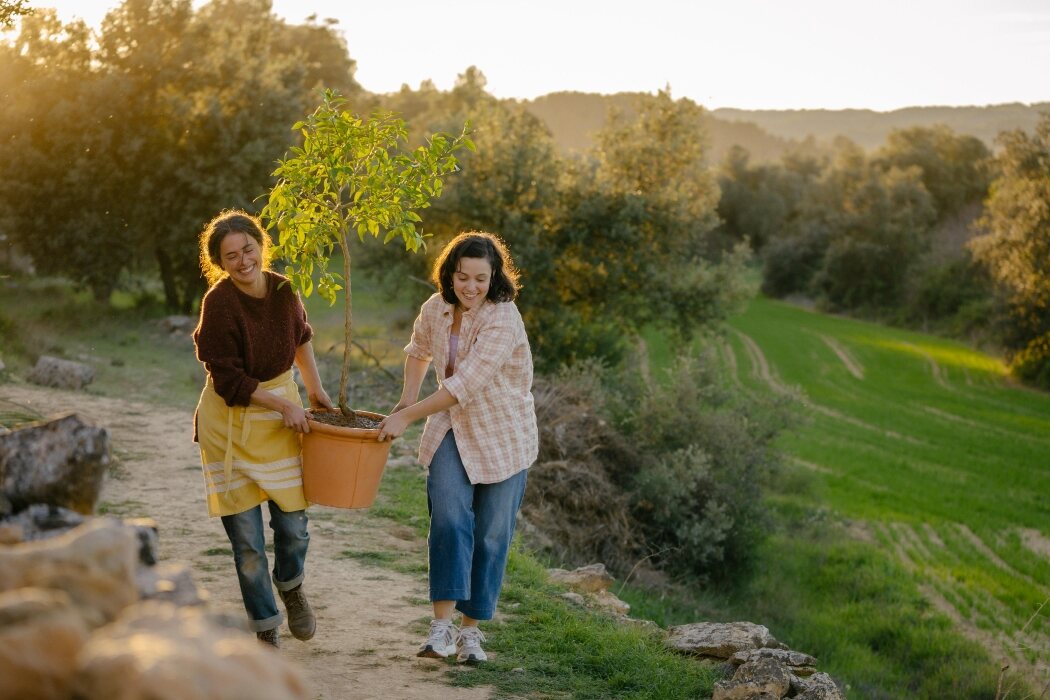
(764, 677)
(169, 582)
(39, 521)
(60, 462)
(574, 598)
(2, 366)
(637, 622)
(610, 603)
(178, 324)
(6, 508)
(799, 663)
(161, 652)
(94, 563)
(61, 374)
(40, 636)
(586, 579)
(720, 639)
(149, 542)
(819, 686)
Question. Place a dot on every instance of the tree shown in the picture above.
(135, 136)
(1015, 247)
(953, 167)
(606, 245)
(351, 177)
(758, 203)
(60, 164)
(9, 9)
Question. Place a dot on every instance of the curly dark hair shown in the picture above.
(229, 221)
(503, 285)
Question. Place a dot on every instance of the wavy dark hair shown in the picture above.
(503, 285)
(229, 221)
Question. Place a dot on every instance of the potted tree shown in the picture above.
(352, 177)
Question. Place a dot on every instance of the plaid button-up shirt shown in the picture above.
(494, 420)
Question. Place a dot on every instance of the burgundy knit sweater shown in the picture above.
(243, 340)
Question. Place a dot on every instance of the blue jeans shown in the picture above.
(471, 527)
(290, 540)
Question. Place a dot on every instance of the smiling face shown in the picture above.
(471, 281)
(241, 258)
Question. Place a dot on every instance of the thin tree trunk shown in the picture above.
(167, 277)
(348, 324)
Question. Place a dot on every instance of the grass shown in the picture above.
(541, 645)
(924, 463)
(898, 524)
(132, 355)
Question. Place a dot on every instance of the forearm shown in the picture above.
(439, 401)
(307, 364)
(292, 414)
(267, 399)
(415, 372)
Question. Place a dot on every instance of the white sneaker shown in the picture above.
(441, 642)
(469, 644)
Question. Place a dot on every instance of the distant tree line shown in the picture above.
(125, 140)
(119, 144)
(931, 230)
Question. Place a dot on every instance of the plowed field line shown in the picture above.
(852, 365)
(761, 370)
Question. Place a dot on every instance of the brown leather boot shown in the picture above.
(301, 620)
(269, 638)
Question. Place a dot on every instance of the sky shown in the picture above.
(749, 54)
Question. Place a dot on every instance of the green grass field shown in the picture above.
(911, 526)
(933, 456)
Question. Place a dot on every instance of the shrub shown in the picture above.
(583, 515)
(704, 451)
(790, 263)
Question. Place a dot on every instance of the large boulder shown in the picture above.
(800, 664)
(586, 579)
(60, 462)
(178, 324)
(170, 582)
(38, 522)
(41, 634)
(191, 654)
(819, 686)
(764, 677)
(94, 564)
(61, 374)
(720, 639)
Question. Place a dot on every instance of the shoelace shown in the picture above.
(471, 635)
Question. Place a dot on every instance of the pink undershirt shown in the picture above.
(453, 344)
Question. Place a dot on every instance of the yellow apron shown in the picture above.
(247, 454)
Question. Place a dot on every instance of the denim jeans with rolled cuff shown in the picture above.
(471, 527)
(290, 541)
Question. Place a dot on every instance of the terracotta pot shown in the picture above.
(342, 467)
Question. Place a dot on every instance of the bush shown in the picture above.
(670, 471)
(1032, 364)
(951, 297)
(583, 515)
(704, 453)
(790, 263)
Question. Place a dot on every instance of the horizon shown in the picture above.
(803, 55)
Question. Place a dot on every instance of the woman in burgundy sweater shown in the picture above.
(252, 329)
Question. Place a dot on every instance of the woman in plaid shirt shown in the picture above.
(480, 436)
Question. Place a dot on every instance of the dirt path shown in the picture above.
(369, 619)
